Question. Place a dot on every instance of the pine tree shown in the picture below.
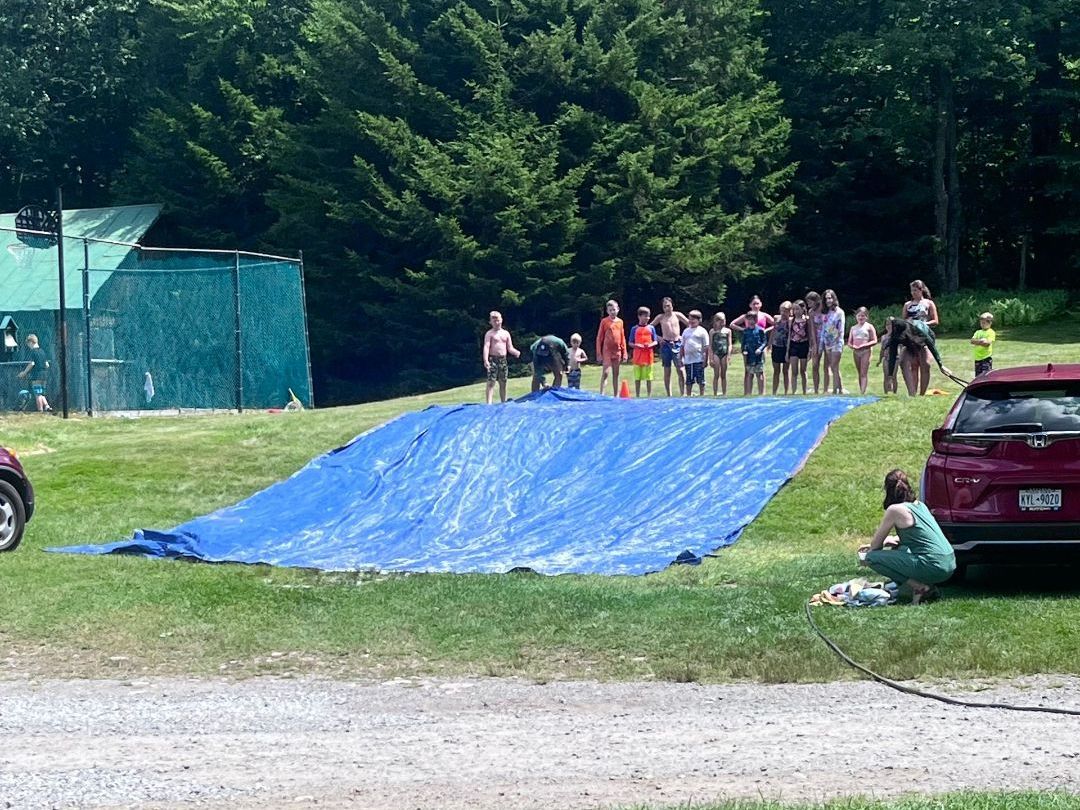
(531, 157)
(220, 89)
(69, 84)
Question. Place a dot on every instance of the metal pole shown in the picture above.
(148, 248)
(63, 300)
(86, 328)
(307, 335)
(239, 344)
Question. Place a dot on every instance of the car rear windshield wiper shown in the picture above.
(1016, 427)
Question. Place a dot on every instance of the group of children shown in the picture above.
(808, 332)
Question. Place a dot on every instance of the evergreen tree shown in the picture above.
(220, 85)
(67, 93)
(532, 157)
(915, 127)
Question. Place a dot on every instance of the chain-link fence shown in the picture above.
(153, 329)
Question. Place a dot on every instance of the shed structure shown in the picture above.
(153, 328)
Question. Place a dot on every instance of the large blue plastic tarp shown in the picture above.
(560, 482)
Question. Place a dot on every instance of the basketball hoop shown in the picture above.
(37, 226)
(20, 253)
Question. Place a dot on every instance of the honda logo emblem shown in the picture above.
(1037, 440)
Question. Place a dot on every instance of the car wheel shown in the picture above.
(959, 575)
(12, 517)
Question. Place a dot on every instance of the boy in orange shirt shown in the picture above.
(611, 346)
(643, 340)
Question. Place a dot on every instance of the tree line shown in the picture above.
(436, 159)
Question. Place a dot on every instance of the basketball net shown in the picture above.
(20, 253)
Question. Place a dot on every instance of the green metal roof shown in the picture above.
(28, 276)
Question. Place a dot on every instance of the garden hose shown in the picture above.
(910, 690)
(959, 381)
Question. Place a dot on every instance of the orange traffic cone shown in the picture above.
(624, 390)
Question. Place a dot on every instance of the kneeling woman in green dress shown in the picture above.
(923, 558)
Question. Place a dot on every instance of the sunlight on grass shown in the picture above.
(737, 616)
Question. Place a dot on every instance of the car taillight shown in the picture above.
(947, 444)
(940, 439)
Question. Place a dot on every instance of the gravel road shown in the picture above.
(494, 743)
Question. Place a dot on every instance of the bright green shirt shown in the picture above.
(982, 352)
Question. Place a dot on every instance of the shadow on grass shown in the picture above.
(1056, 330)
(1041, 580)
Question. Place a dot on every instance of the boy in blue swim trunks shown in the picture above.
(753, 349)
(695, 353)
(37, 364)
(671, 325)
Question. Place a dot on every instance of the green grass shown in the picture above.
(953, 801)
(738, 616)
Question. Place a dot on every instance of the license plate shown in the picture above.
(1040, 500)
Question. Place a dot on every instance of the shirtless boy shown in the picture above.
(577, 357)
(611, 346)
(671, 325)
(497, 344)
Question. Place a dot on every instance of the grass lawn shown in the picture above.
(739, 616)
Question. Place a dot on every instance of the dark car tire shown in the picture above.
(12, 517)
(959, 575)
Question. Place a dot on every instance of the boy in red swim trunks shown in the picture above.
(611, 346)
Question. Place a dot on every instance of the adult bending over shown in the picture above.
(923, 557)
(914, 337)
(549, 353)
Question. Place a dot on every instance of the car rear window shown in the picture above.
(1004, 408)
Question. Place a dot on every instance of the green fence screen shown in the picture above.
(157, 329)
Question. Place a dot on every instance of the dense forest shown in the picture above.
(435, 159)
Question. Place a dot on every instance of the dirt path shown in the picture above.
(502, 743)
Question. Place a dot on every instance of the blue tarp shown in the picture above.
(559, 482)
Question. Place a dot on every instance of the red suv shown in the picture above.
(16, 500)
(1003, 479)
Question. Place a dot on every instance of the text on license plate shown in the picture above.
(1040, 499)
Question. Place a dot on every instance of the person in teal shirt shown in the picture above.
(549, 353)
(923, 557)
(912, 336)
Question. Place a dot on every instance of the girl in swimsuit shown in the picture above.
(798, 348)
(832, 340)
(916, 366)
(888, 379)
(764, 319)
(720, 342)
(778, 342)
(817, 351)
(862, 339)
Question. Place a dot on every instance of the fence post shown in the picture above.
(62, 334)
(307, 335)
(239, 344)
(86, 328)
